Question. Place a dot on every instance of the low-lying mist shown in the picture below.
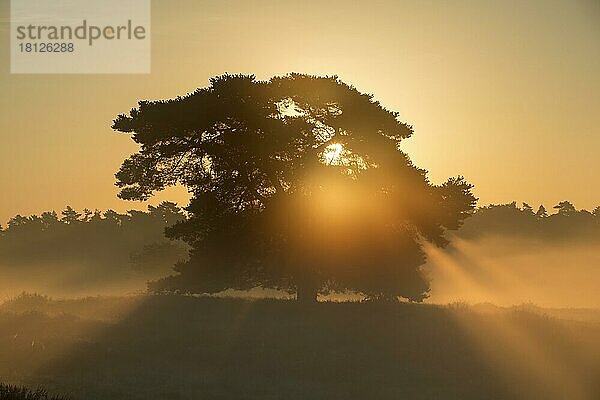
(71, 280)
(501, 270)
(507, 270)
(504, 255)
(88, 253)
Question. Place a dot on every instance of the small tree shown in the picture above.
(565, 208)
(87, 215)
(297, 183)
(49, 219)
(541, 212)
(70, 216)
(18, 221)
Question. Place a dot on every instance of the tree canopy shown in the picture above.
(297, 183)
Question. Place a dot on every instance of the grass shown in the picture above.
(10, 392)
(172, 347)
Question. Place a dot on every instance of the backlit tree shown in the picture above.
(297, 183)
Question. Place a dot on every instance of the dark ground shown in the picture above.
(168, 347)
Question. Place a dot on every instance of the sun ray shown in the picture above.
(333, 154)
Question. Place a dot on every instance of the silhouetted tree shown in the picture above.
(70, 216)
(297, 183)
(96, 217)
(87, 214)
(527, 208)
(49, 219)
(596, 212)
(113, 217)
(541, 212)
(565, 208)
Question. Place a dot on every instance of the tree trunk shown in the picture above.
(306, 293)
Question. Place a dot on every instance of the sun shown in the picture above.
(333, 154)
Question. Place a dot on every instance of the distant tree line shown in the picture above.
(103, 243)
(562, 222)
(109, 244)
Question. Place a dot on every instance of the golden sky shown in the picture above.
(506, 93)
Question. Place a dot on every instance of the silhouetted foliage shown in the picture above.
(70, 216)
(9, 392)
(541, 212)
(567, 223)
(297, 183)
(99, 246)
(565, 208)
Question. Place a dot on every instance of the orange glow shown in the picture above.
(521, 93)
